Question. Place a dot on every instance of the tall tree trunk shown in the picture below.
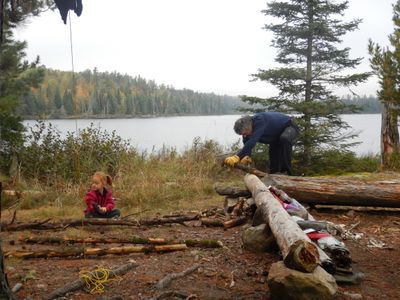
(5, 291)
(389, 135)
(1, 20)
(308, 89)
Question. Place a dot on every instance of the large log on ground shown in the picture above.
(297, 249)
(325, 261)
(80, 251)
(63, 224)
(331, 191)
(132, 240)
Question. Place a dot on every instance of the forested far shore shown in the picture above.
(366, 104)
(93, 94)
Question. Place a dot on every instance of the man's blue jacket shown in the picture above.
(267, 127)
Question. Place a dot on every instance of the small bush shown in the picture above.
(326, 162)
(393, 162)
(49, 158)
(335, 162)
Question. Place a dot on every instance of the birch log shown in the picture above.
(297, 249)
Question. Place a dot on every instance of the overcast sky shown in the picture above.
(203, 45)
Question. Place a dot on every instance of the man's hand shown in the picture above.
(246, 160)
(103, 210)
(232, 160)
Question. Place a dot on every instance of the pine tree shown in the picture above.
(306, 36)
(17, 76)
(386, 65)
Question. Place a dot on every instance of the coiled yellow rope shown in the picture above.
(94, 279)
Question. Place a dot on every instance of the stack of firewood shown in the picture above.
(303, 241)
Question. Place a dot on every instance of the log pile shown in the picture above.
(298, 251)
(286, 226)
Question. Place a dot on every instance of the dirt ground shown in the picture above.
(225, 273)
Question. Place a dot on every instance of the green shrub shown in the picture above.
(394, 162)
(335, 162)
(49, 158)
(325, 162)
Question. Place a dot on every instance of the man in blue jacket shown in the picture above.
(275, 129)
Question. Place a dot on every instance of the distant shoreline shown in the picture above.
(32, 118)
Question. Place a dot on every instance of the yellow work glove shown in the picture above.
(232, 160)
(246, 160)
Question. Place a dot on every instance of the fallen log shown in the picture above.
(73, 240)
(132, 240)
(167, 280)
(325, 261)
(297, 249)
(79, 284)
(331, 191)
(63, 224)
(80, 251)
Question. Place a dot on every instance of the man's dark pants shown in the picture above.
(280, 152)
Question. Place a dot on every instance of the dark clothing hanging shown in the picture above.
(65, 5)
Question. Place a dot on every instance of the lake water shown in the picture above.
(150, 134)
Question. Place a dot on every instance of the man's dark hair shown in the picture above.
(243, 123)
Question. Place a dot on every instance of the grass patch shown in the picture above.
(56, 174)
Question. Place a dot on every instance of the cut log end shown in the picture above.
(302, 256)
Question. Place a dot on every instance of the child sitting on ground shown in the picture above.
(99, 199)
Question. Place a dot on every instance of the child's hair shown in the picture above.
(104, 178)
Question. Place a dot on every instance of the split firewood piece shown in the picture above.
(235, 222)
(79, 284)
(212, 222)
(80, 251)
(167, 280)
(238, 208)
(229, 204)
(283, 227)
